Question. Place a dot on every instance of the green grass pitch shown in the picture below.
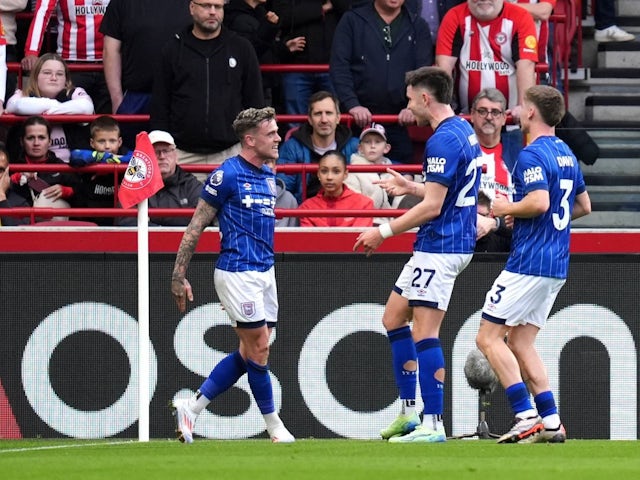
(316, 459)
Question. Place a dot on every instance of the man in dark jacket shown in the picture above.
(209, 74)
(373, 47)
(314, 22)
(181, 189)
(322, 133)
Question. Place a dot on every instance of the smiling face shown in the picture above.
(417, 102)
(332, 173)
(51, 78)
(265, 140)
(36, 141)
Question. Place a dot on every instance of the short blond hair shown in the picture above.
(250, 119)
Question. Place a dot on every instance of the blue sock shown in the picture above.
(430, 360)
(545, 404)
(224, 375)
(403, 350)
(518, 396)
(260, 383)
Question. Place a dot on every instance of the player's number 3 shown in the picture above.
(561, 220)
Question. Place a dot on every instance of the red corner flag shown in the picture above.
(142, 178)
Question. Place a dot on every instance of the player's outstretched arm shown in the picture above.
(398, 185)
(180, 287)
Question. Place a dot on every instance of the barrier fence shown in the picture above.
(70, 350)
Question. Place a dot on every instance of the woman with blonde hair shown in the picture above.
(50, 91)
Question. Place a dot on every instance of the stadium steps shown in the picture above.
(605, 96)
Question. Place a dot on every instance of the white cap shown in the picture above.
(158, 136)
(374, 128)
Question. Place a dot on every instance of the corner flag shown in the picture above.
(142, 178)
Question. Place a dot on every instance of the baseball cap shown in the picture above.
(374, 128)
(157, 136)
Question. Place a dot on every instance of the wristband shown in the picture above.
(498, 223)
(385, 230)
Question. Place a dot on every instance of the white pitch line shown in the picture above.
(55, 447)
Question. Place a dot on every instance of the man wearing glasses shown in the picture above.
(208, 75)
(181, 189)
(499, 153)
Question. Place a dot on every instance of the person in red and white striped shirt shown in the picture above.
(540, 10)
(79, 41)
(489, 43)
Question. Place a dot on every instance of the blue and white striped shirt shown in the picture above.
(452, 158)
(540, 245)
(245, 197)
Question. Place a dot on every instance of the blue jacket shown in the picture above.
(364, 71)
(299, 149)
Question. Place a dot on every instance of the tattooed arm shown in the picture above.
(180, 287)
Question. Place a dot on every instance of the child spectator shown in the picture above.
(335, 195)
(284, 199)
(97, 190)
(50, 91)
(371, 151)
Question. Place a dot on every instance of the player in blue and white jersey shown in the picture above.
(549, 193)
(241, 193)
(443, 248)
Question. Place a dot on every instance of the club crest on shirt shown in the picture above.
(248, 309)
(271, 182)
(216, 178)
(501, 38)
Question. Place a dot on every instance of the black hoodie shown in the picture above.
(202, 86)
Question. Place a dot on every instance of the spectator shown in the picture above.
(50, 189)
(208, 75)
(79, 41)
(335, 195)
(181, 189)
(134, 33)
(499, 154)
(540, 10)
(251, 19)
(8, 10)
(322, 133)
(8, 196)
(51, 91)
(98, 190)
(373, 47)
(495, 241)
(604, 16)
(474, 45)
(284, 198)
(371, 151)
(313, 24)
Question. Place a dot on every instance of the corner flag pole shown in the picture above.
(143, 321)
